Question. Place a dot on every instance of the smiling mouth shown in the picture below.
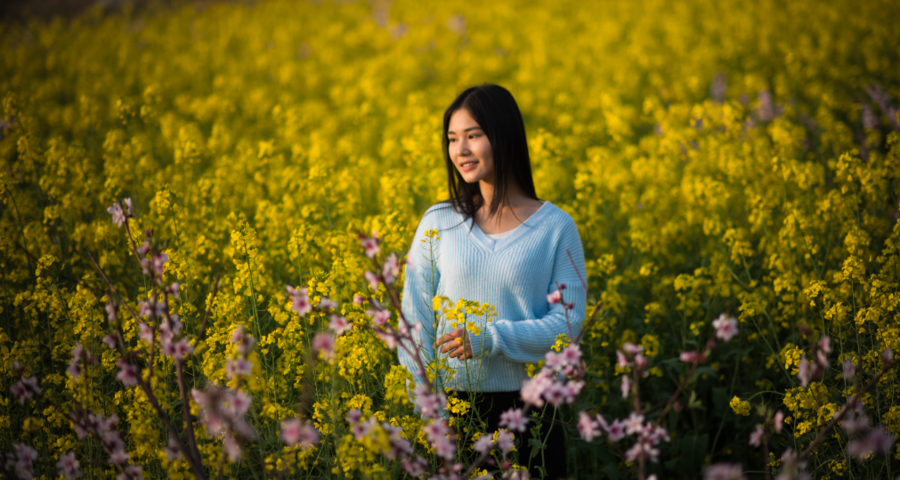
(469, 163)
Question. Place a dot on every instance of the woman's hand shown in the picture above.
(457, 344)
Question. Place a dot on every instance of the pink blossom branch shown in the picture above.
(843, 411)
(681, 386)
(194, 464)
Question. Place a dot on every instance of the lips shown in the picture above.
(468, 165)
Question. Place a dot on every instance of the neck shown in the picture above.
(514, 196)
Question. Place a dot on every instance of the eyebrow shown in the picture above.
(466, 130)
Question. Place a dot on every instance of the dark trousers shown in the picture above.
(489, 406)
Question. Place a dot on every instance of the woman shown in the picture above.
(498, 244)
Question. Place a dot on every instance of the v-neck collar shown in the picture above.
(490, 245)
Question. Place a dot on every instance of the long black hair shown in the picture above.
(496, 111)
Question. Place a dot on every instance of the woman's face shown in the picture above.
(470, 149)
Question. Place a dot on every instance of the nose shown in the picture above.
(464, 147)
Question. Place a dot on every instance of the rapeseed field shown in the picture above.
(722, 159)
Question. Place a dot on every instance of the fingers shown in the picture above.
(456, 343)
(452, 345)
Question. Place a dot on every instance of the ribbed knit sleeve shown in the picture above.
(419, 288)
(528, 340)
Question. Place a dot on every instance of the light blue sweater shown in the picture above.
(514, 274)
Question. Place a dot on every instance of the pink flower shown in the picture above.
(362, 430)
(372, 279)
(118, 216)
(804, 372)
(553, 361)
(429, 403)
(484, 443)
(621, 359)
(640, 361)
(379, 316)
(172, 451)
(555, 394)
(778, 421)
(688, 357)
(505, 441)
(415, 467)
(572, 389)
(180, 350)
(632, 349)
(232, 448)
(822, 359)
(159, 262)
(338, 324)
(244, 342)
(572, 355)
(825, 344)
(68, 466)
(887, 356)
(855, 421)
(877, 441)
(657, 435)
(127, 203)
(324, 343)
(237, 334)
(514, 419)
(296, 431)
(849, 369)
(391, 268)
(359, 299)
(724, 471)
(118, 457)
(24, 389)
(726, 327)
(131, 472)
(22, 460)
(145, 332)
(353, 416)
(370, 244)
(299, 300)
(634, 423)
(389, 337)
(436, 433)
(111, 311)
(756, 436)
(554, 298)
(173, 289)
(587, 427)
(327, 303)
(616, 431)
(128, 373)
(534, 388)
(626, 386)
(110, 341)
(642, 448)
(74, 368)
